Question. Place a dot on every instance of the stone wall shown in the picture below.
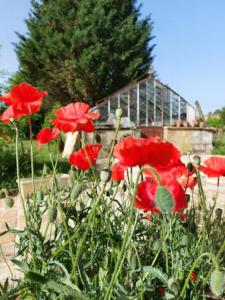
(188, 139)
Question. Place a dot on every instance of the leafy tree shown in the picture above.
(84, 49)
(3, 75)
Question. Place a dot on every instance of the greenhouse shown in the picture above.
(146, 102)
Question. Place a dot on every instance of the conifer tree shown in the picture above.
(84, 49)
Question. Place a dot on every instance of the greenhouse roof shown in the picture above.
(145, 102)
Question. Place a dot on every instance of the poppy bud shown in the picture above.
(105, 175)
(156, 246)
(197, 160)
(39, 196)
(119, 113)
(218, 213)
(173, 285)
(76, 191)
(164, 200)
(9, 201)
(52, 214)
(217, 283)
(184, 240)
(46, 170)
(190, 167)
(115, 183)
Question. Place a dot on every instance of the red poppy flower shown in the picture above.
(118, 172)
(214, 167)
(194, 276)
(23, 100)
(135, 152)
(75, 117)
(147, 191)
(86, 157)
(145, 151)
(182, 175)
(47, 135)
(162, 291)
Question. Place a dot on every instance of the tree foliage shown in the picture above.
(84, 49)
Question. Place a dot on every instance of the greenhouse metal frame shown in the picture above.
(146, 102)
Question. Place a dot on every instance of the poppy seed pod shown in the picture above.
(9, 201)
(119, 113)
(219, 212)
(217, 283)
(105, 175)
(52, 214)
(197, 160)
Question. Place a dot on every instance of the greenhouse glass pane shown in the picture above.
(124, 103)
(159, 99)
(143, 107)
(175, 106)
(113, 104)
(183, 109)
(150, 97)
(166, 107)
(133, 104)
(103, 110)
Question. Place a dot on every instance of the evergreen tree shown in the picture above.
(84, 49)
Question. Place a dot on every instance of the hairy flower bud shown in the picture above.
(156, 246)
(105, 175)
(9, 201)
(52, 214)
(77, 188)
(197, 160)
(217, 283)
(40, 196)
(164, 200)
(173, 285)
(119, 113)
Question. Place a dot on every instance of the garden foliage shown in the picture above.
(123, 230)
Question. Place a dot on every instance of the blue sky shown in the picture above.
(190, 50)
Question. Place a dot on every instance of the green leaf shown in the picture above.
(156, 273)
(164, 200)
(22, 265)
(65, 290)
(35, 277)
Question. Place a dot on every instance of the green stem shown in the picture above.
(109, 162)
(31, 156)
(70, 244)
(88, 226)
(122, 253)
(21, 196)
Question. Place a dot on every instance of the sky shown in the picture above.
(189, 38)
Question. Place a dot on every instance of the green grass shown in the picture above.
(8, 161)
(219, 145)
